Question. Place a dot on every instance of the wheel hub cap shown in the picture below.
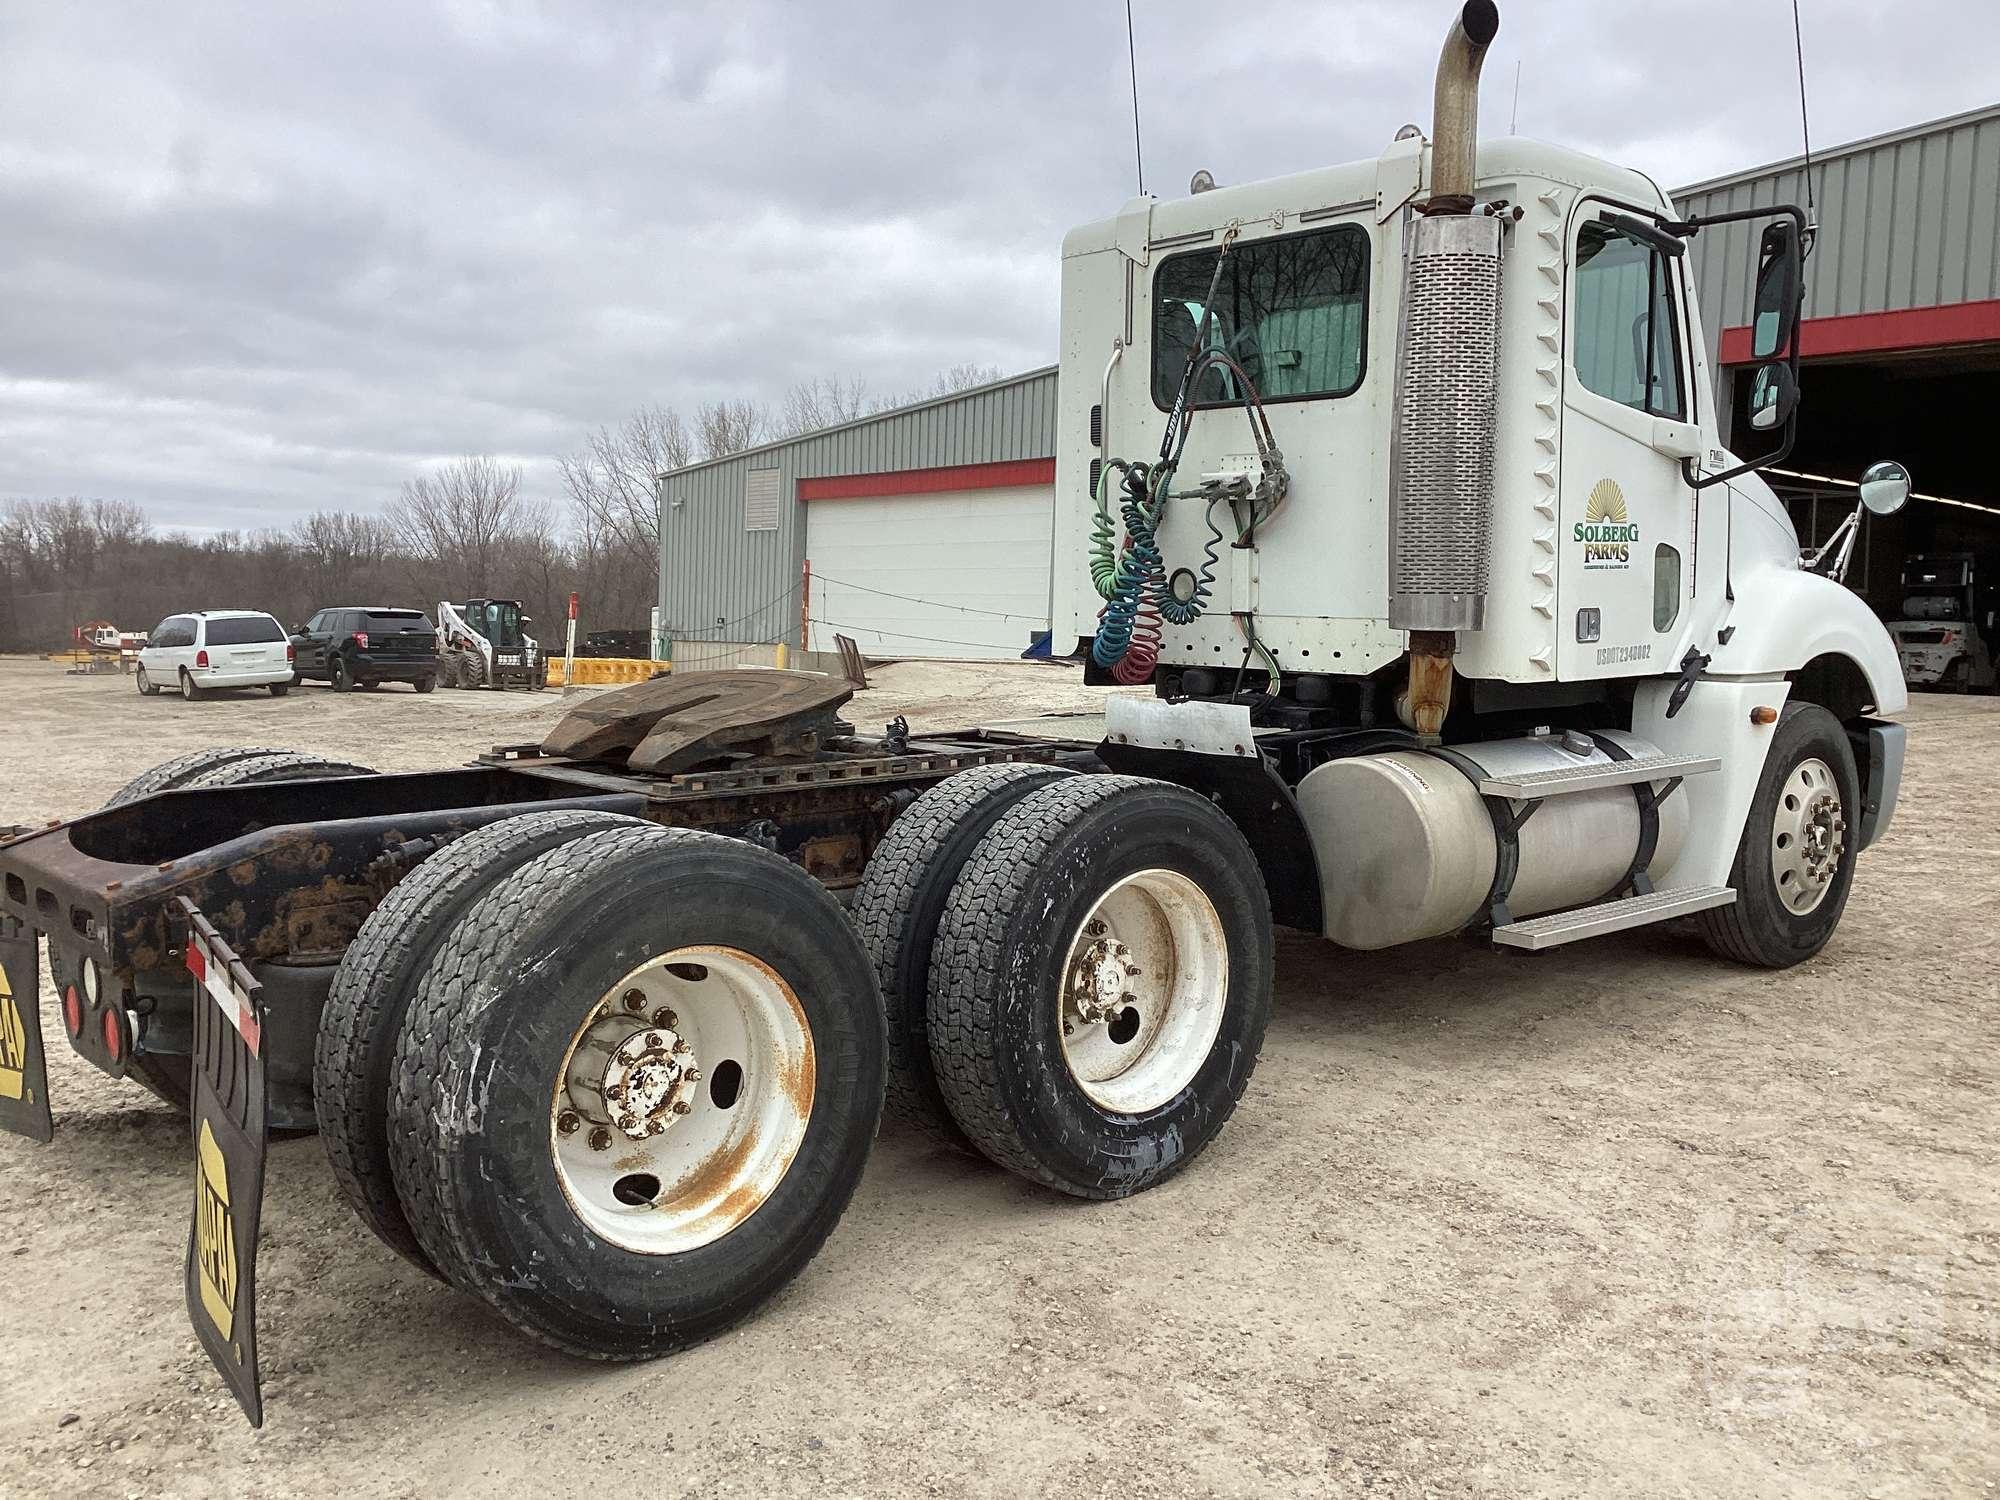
(649, 1082)
(1808, 836)
(1100, 980)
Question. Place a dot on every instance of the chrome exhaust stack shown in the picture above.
(1441, 493)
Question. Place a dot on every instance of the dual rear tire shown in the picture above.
(623, 1123)
(1094, 984)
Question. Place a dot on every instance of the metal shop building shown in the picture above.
(923, 531)
(926, 531)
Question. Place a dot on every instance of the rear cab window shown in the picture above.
(244, 630)
(1292, 311)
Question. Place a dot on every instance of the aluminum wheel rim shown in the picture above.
(682, 1100)
(1144, 986)
(1808, 837)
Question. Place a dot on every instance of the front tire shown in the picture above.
(554, 1031)
(1795, 862)
(147, 687)
(1100, 984)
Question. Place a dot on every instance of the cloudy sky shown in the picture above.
(259, 259)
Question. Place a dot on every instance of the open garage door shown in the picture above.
(941, 574)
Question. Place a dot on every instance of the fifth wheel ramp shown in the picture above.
(674, 724)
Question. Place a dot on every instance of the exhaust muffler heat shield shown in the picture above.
(1441, 491)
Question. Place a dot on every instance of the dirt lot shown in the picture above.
(1619, 1220)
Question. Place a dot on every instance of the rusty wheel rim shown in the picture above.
(1144, 987)
(682, 1100)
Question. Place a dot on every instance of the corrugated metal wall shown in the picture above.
(720, 581)
(1910, 219)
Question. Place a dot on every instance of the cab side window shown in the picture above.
(315, 624)
(1627, 345)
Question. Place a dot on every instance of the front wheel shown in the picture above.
(1100, 983)
(1796, 859)
(147, 687)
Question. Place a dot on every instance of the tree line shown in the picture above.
(460, 530)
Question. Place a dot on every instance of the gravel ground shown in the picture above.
(1617, 1220)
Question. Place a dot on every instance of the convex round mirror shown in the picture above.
(1885, 487)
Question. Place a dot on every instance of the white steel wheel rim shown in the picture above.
(688, 1175)
(1134, 1040)
(1808, 836)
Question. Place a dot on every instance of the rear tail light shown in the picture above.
(291, 652)
(72, 1009)
(201, 658)
(361, 639)
(114, 1034)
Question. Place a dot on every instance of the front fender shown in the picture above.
(1785, 617)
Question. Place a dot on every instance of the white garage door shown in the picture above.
(960, 574)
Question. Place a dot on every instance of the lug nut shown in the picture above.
(692, 1075)
(600, 1139)
(680, 1045)
(1094, 927)
(567, 1122)
(635, 1000)
(654, 1039)
(665, 1017)
(681, 1106)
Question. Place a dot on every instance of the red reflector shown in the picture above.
(201, 658)
(196, 964)
(72, 1011)
(114, 1035)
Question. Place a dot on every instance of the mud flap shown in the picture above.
(229, 1123)
(24, 1074)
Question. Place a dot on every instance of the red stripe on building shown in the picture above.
(944, 481)
(1884, 332)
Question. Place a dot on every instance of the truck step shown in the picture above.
(1530, 785)
(1557, 928)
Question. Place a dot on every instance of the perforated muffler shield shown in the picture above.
(1441, 490)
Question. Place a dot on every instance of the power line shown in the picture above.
(902, 635)
(1132, 57)
(964, 609)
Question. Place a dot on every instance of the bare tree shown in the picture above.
(454, 519)
(824, 401)
(725, 427)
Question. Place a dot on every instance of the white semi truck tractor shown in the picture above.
(1403, 487)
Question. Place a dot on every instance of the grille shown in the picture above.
(1441, 494)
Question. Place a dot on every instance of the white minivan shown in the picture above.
(217, 648)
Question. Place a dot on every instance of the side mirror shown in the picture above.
(1775, 317)
(1885, 488)
(1774, 396)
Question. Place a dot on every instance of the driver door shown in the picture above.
(1626, 542)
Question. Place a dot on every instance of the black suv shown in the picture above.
(358, 647)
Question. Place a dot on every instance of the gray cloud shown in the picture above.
(256, 261)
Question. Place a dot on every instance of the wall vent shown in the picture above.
(760, 500)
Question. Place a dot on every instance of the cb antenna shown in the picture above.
(1132, 57)
(1805, 129)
